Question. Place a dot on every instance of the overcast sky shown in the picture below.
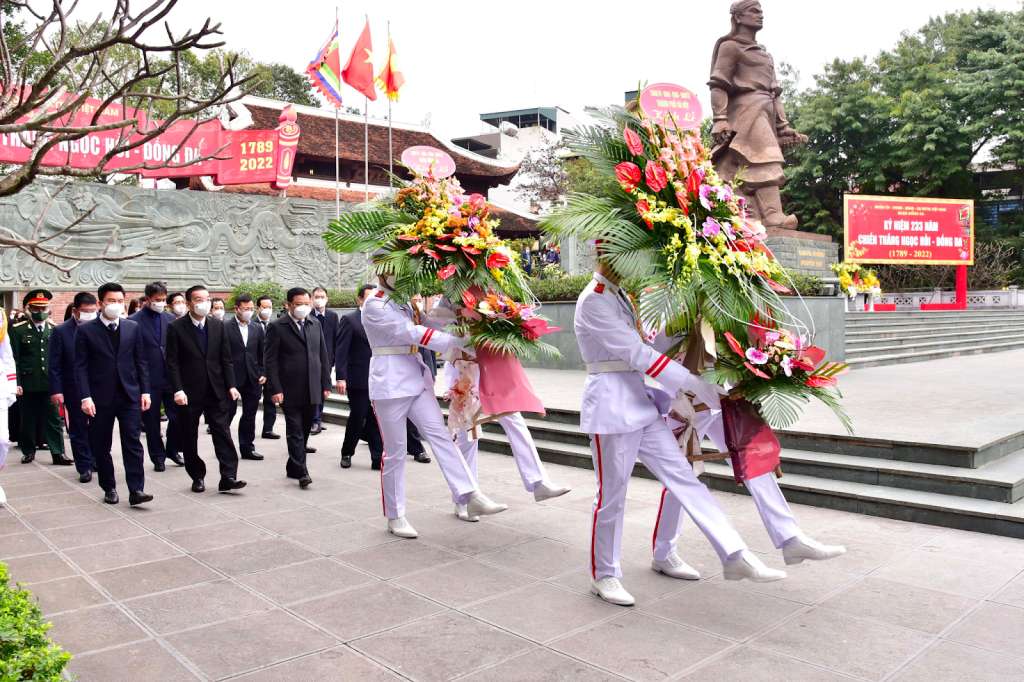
(462, 58)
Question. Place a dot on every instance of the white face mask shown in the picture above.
(201, 309)
(158, 306)
(112, 311)
(265, 313)
(245, 315)
(218, 314)
(300, 312)
(87, 317)
(179, 309)
(320, 302)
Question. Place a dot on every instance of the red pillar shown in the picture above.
(961, 293)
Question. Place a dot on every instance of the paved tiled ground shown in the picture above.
(277, 583)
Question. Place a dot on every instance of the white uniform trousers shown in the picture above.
(524, 451)
(426, 415)
(656, 447)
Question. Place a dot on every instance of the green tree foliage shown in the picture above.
(256, 289)
(26, 653)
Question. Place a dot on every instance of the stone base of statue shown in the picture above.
(807, 253)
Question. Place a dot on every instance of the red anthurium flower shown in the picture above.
(642, 207)
(445, 237)
(628, 174)
(633, 142)
(415, 249)
(408, 238)
(468, 299)
(755, 371)
(815, 381)
(741, 245)
(683, 202)
(471, 250)
(535, 327)
(431, 253)
(803, 364)
(446, 247)
(446, 272)
(773, 285)
(813, 355)
(497, 260)
(693, 183)
(654, 176)
(734, 344)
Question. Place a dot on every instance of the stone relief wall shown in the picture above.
(217, 239)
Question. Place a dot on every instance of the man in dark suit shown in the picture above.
(352, 371)
(64, 391)
(328, 320)
(202, 378)
(246, 338)
(153, 321)
(111, 376)
(264, 316)
(299, 376)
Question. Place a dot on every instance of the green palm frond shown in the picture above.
(365, 230)
(831, 398)
(501, 341)
(585, 217)
(779, 403)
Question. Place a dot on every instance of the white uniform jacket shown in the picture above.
(615, 399)
(390, 328)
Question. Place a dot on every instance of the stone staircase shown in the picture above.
(874, 339)
(979, 489)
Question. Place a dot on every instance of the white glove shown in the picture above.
(707, 393)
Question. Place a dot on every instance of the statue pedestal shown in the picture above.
(807, 253)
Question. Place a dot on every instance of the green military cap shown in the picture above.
(37, 297)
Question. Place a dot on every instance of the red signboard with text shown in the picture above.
(908, 230)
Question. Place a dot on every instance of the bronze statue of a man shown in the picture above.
(750, 126)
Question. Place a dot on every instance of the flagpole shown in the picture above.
(391, 153)
(337, 171)
(366, 148)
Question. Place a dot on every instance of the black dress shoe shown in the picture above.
(422, 458)
(137, 497)
(61, 460)
(346, 461)
(270, 435)
(198, 486)
(85, 478)
(375, 466)
(159, 466)
(226, 485)
(305, 481)
(253, 455)
(315, 429)
(28, 459)
(310, 450)
(176, 458)
(110, 497)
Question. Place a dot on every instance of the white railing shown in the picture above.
(1011, 297)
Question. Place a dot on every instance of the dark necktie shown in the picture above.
(115, 337)
(302, 329)
(202, 338)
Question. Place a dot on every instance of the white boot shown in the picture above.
(745, 564)
(479, 504)
(674, 567)
(545, 491)
(401, 528)
(803, 547)
(462, 513)
(612, 591)
(3, 497)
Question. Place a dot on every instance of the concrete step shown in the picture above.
(932, 333)
(860, 317)
(889, 346)
(903, 357)
(918, 325)
(950, 511)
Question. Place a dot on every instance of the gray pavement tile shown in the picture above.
(345, 537)
(32, 487)
(1012, 594)
(723, 610)
(846, 644)
(463, 582)
(640, 646)
(940, 571)
(10, 524)
(474, 538)
(66, 594)
(901, 604)
(363, 506)
(140, 661)
(359, 612)
(248, 643)
(63, 500)
(749, 663)
(38, 567)
(114, 528)
(398, 558)
(441, 647)
(299, 520)
(195, 606)
(303, 581)
(119, 553)
(155, 576)
(163, 522)
(542, 612)
(233, 532)
(968, 545)
(248, 504)
(94, 628)
(951, 661)
(540, 665)
(60, 518)
(541, 558)
(339, 663)
(254, 556)
(21, 544)
(996, 627)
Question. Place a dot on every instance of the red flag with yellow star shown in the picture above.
(390, 79)
(358, 72)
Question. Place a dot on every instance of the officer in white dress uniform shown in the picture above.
(625, 425)
(401, 387)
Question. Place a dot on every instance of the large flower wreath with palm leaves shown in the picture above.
(678, 231)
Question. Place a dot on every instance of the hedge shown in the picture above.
(26, 653)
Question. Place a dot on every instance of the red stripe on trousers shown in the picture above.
(383, 456)
(600, 501)
(657, 524)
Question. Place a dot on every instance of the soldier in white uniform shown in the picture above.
(401, 387)
(625, 425)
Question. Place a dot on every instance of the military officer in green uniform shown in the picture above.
(30, 341)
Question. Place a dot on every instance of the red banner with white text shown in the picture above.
(908, 230)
